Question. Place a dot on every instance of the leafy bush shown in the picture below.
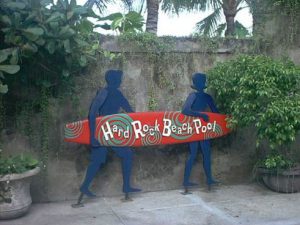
(17, 164)
(5, 54)
(276, 162)
(49, 40)
(261, 91)
(132, 22)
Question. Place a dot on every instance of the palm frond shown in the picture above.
(239, 2)
(221, 29)
(251, 5)
(215, 4)
(240, 30)
(139, 6)
(128, 4)
(101, 4)
(242, 4)
(203, 5)
(208, 25)
(175, 6)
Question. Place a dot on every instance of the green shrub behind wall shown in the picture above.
(262, 91)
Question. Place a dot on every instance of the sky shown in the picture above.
(179, 25)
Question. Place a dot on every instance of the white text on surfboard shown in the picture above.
(167, 130)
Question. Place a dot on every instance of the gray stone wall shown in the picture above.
(165, 82)
(279, 27)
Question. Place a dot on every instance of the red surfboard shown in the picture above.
(148, 128)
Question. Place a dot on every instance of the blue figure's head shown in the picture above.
(199, 81)
(113, 78)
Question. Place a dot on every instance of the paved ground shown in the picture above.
(239, 204)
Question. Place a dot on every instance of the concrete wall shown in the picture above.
(166, 83)
(279, 28)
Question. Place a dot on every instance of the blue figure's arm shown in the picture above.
(187, 108)
(212, 105)
(125, 104)
(94, 110)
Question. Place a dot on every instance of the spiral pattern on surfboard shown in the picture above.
(74, 130)
(209, 134)
(152, 138)
(178, 122)
(122, 122)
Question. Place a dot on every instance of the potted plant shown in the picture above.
(279, 173)
(15, 174)
(261, 91)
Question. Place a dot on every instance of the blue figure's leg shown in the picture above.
(98, 156)
(206, 154)
(189, 164)
(126, 155)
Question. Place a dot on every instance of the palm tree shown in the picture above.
(210, 25)
(152, 16)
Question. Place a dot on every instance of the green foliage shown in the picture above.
(131, 22)
(261, 91)
(54, 38)
(287, 4)
(50, 42)
(209, 25)
(240, 30)
(181, 5)
(276, 161)
(147, 42)
(101, 4)
(208, 44)
(10, 55)
(2, 114)
(155, 49)
(16, 164)
(152, 102)
(44, 103)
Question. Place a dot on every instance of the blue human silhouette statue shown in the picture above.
(108, 101)
(196, 103)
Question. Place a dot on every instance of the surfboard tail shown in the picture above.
(77, 132)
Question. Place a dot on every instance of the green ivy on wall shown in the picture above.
(44, 104)
(147, 43)
(152, 101)
(2, 113)
(158, 51)
(291, 9)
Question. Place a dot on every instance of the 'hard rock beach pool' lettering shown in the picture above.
(167, 129)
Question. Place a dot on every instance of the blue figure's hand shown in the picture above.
(205, 117)
(95, 142)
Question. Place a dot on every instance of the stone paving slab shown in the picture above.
(186, 215)
(248, 204)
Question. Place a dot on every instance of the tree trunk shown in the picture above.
(230, 29)
(230, 10)
(152, 16)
